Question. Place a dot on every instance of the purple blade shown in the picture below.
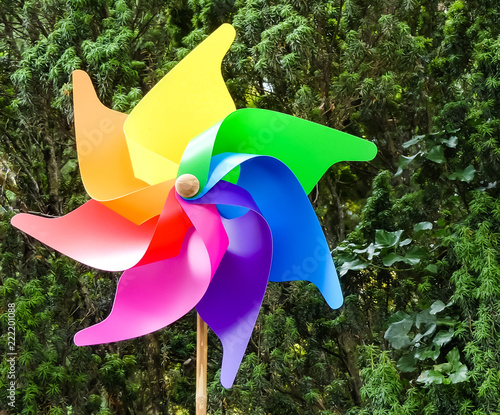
(232, 302)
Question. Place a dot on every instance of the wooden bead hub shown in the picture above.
(187, 185)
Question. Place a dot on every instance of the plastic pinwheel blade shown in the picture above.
(104, 159)
(93, 235)
(307, 148)
(300, 250)
(232, 302)
(167, 118)
(152, 296)
(99, 237)
(207, 222)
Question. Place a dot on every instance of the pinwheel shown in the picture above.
(198, 203)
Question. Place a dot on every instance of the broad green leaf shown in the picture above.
(414, 255)
(391, 258)
(442, 337)
(460, 375)
(11, 196)
(428, 352)
(466, 175)
(432, 268)
(360, 251)
(451, 142)
(68, 170)
(387, 239)
(397, 333)
(444, 368)
(415, 140)
(436, 154)
(431, 377)
(407, 363)
(437, 306)
(424, 318)
(453, 357)
(371, 250)
(417, 252)
(355, 265)
(417, 338)
(405, 242)
(422, 226)
(345, 257)
(398, 316)
(404, 161)
(447, 321)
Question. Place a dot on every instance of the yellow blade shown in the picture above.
(189, 99)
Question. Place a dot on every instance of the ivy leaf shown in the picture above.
(466, 175)
(386, 239)
(355, 265)
(436, 154)
(422, 226)
(431, 377)
(460, 375)
(437, 306)
(404, 161)
(397, 333)
(407, 363)
(442, 337)
(391, 258)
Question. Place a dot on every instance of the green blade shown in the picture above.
(307, 148)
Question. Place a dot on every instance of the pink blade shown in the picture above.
(153, 296)
(206, 220)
